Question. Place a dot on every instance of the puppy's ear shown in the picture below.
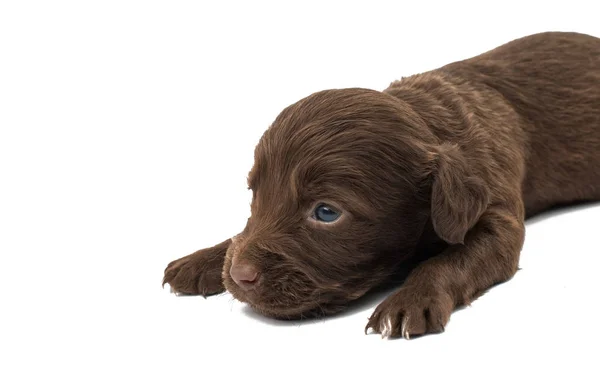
(458, 197)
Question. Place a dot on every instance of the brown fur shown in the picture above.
(456, 157)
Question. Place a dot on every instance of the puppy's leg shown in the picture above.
(198, 273)
(489, 255)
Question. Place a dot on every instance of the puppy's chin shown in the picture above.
(296, 313)
(280, 303)
(301, 311)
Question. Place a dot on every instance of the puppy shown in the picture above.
(351, 185)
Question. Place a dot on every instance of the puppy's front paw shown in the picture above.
(412, 311)
(196, 274)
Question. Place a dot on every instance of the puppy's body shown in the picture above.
(454, 158)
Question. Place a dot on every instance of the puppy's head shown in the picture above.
(341, 192)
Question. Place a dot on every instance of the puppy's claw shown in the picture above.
(372, 324)
(386, 327)
(404, 328)
(176, 292)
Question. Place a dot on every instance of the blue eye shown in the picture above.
(325, 214)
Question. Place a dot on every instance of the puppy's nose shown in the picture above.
(246, 276)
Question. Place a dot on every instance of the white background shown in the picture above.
(127, 130)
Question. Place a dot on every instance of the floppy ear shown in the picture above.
(458, 198)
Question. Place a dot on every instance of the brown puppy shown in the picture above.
(351, 185)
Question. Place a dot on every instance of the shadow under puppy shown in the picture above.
(350, 184)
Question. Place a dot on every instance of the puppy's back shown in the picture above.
(552, 80)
